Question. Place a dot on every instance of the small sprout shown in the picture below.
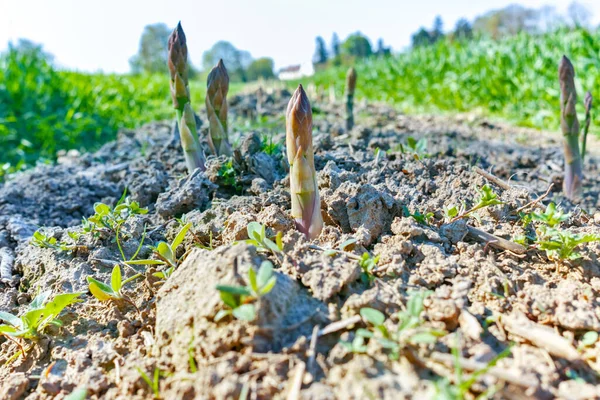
(154, 383)
(561, 244)
(589, 338)
(418, 148)
(487, 197)
(523, 240)
(409, 331)
(268, 146)
(44, 241)
(78, 394)
(228, 176)
(111, 219)
(450, 212)
(367, 264)
(240, 299)
(167, 254)
(422, 219)
(39, 315)
(258, 238)
(551, 216)
(104, 292)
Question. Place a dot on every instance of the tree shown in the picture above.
(463, 30)
(579, 14)
(335, 45)
(320, 56)
(437, 32)
(507, 21)
(260, 68)
(381, 49)
(152, 53)
(236, 61)
(357, 45)
(420, 38)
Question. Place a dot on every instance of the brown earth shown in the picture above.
(483, 299)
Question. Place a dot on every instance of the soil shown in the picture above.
(483, 299)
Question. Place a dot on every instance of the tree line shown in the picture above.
(241, 66)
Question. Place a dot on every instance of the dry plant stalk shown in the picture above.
(217, 86)
(350, 87)
(180, 94)
(306, 204)
(570, 128)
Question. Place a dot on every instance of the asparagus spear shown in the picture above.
(570, 128)
(180, 94)
(586, 125)
(306, 204)
(350, 86)
(216, 108)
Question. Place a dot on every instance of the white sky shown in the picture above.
(103, 35)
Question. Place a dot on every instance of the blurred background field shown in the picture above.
(502, 64)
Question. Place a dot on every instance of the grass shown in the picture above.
(515, 78)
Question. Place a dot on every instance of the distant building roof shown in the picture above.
(291, 68)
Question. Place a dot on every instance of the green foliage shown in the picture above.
(259, 239)
(44, 241)
(514, 78)
(78, 394)
(240, 299)
(445, 390)
(111, 219)
(367, 263)
(154, 383)
(105, 292)
(39, 315)
(410, 329)
(417, 148)
(561, 244)
(487, 197)
(43, 110)
(228, 176)
(167, 254)
(152, 53)
(422, 219)
(357, 45)
(268, 146)
(551, 216)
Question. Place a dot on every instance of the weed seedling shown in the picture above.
(44, 241)
(561, 244)
(368, 263)
(258, 238)
(487, 197)
(104, 292)
(228, 176)
(551, 216)
(240, 299)
(418, 148)
(153, 383)
(268, 146)
(409, 331)
(167, 254)
(376, 319)
(39, 315)
(111, 219)
(446, 390)
(422, 219)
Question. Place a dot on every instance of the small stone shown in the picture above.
(125, 329)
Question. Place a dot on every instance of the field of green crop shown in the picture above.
(43, 110)
(515, 78)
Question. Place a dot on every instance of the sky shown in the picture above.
(91, 36)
